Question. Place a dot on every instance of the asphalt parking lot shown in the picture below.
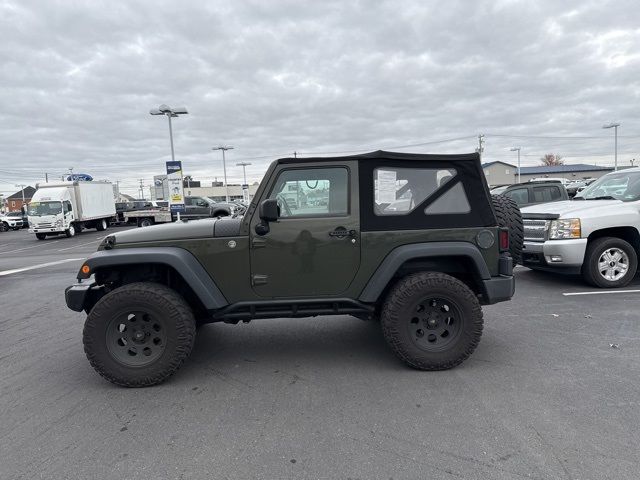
(545, 395)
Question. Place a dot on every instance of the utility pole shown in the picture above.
(23, 200)
(46, 177)
(224, 148)
(141, 189)
(295, 154)
(480, 148)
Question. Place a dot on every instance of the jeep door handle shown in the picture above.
(342, 232)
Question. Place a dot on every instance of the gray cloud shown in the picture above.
(78, 80)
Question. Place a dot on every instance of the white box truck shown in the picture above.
(69, 207)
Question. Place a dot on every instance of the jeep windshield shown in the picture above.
(39, 209)
(624, 186)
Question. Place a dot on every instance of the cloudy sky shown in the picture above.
(272, 77)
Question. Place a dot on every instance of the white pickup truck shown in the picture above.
(596, 234)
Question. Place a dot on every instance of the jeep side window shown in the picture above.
(312, 192)
(398, 191)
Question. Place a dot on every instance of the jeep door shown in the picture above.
(314, 247)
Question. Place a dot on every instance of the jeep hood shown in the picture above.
(574, 208)
(167, 231)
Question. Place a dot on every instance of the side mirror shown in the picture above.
(269, 210)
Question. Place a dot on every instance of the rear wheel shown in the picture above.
(432, 321)
(41, 236)
(139, 334)
(146, 222)
(101, 225)
(609, 263)
(509, 216)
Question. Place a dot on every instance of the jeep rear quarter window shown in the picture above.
(312, 192)
(414, 192)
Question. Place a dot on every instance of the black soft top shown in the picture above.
(383, 155)
(468, 173)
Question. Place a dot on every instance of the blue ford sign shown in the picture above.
(83, 177)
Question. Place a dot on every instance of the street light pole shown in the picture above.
(169, 112)
(244, 170)
(518, 150)
(245, 184)
(224, 148)
(615, 126)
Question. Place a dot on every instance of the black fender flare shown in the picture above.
(181, 260)
(399, 255)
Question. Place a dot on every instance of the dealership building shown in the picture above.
(502, 173)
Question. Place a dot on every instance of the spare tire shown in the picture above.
(508, 215)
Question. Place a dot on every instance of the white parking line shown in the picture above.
(32, 246)
(602, 292)
(34, 267)
(81, 245)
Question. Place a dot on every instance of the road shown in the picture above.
(544, 396)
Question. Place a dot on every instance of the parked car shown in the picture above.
(574, 187)
(424, 273)
(10, 221)
(22, 216)
(531, 193)
(595, 235)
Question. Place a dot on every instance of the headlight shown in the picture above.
(564, 228)
(58, 223)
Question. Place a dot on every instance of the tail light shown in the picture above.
(504, 239)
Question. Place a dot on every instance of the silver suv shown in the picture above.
(595, 234)
(10, 220)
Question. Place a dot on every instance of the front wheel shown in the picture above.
(41, 236)
(432, 321)
(138, 335)
(609, 263)
(71, 231)
(4, 227)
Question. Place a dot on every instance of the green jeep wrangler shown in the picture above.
(413, 240)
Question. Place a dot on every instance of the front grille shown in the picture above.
(44, 225)
(535, 230)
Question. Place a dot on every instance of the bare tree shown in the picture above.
(552, 160)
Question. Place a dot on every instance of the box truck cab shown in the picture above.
(70, 207)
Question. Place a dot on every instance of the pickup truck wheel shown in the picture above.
(71, 231)
(41, 236)
(432, 321)
(508, 215)
(146, 222)
(609, 263)
(138, 335)
(101, 225)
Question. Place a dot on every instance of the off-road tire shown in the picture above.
(397, 311)
(595, 249)
(41, 236)
(508, 215)
(163, 303)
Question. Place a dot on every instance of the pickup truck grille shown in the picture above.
(535, 230)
